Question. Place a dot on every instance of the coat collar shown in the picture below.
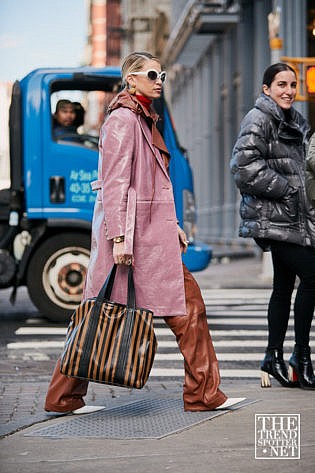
(158, 156)
(292, 126)
(126, 100)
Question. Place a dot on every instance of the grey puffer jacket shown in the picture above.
(268, 165)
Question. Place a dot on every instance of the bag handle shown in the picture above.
(107, 288)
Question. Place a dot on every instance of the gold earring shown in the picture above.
(132, 90)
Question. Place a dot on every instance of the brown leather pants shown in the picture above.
(202, 377)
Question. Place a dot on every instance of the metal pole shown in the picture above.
(276, 51)
(275, 42)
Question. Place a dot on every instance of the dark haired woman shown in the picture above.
(268, 166)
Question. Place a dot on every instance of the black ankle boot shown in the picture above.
(301, 368)
(274, 364)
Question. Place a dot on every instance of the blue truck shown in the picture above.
(45, 215)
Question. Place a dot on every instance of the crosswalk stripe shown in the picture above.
(41, 331)
(224, 373)
(35, 345)
(221, 356)
(244, 343)
(238, 291)
(224, 295)
(234, 313)
(232, 343)
(240, 321)
(213, 318)
(164, 331)
(239, 294)
(247, 298)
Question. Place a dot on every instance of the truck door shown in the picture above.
(69, 157)
(69, 164)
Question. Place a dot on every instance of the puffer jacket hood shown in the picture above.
(290, 124)
(268, 165)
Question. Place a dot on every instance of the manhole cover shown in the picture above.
(146, 418)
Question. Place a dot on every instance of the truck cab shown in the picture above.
(46, 214)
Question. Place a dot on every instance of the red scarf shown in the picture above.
(144, 101)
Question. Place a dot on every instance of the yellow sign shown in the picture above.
(305, 73)
(310, 79)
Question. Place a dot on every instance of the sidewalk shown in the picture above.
(21, 404)
(235, 273)
(223, 444)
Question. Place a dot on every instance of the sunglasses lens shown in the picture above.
(152, 75)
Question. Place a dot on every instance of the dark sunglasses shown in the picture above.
(151, 74)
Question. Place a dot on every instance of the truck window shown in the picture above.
(76, 116)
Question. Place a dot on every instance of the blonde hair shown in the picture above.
(134, 62)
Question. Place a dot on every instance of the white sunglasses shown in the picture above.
(151, 74)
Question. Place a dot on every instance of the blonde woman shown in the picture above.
(134, 185)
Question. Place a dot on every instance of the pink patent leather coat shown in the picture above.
(135, 199)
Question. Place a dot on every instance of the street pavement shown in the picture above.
(223, 444)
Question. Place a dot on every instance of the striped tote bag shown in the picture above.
(110, 343)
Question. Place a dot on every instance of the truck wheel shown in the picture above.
(56, 273)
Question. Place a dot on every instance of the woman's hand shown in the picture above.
(182, 239)
(119, 255)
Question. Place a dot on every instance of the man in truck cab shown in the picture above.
(64, 121)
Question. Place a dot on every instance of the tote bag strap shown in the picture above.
(131, 297)
(107, 288)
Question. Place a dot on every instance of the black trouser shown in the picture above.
(289, 261)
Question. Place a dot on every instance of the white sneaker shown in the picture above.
(231, 401)
(88, 409)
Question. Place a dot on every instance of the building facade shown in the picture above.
(104, 33)
(215, 53)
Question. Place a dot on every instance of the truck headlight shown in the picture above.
(189, 215)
